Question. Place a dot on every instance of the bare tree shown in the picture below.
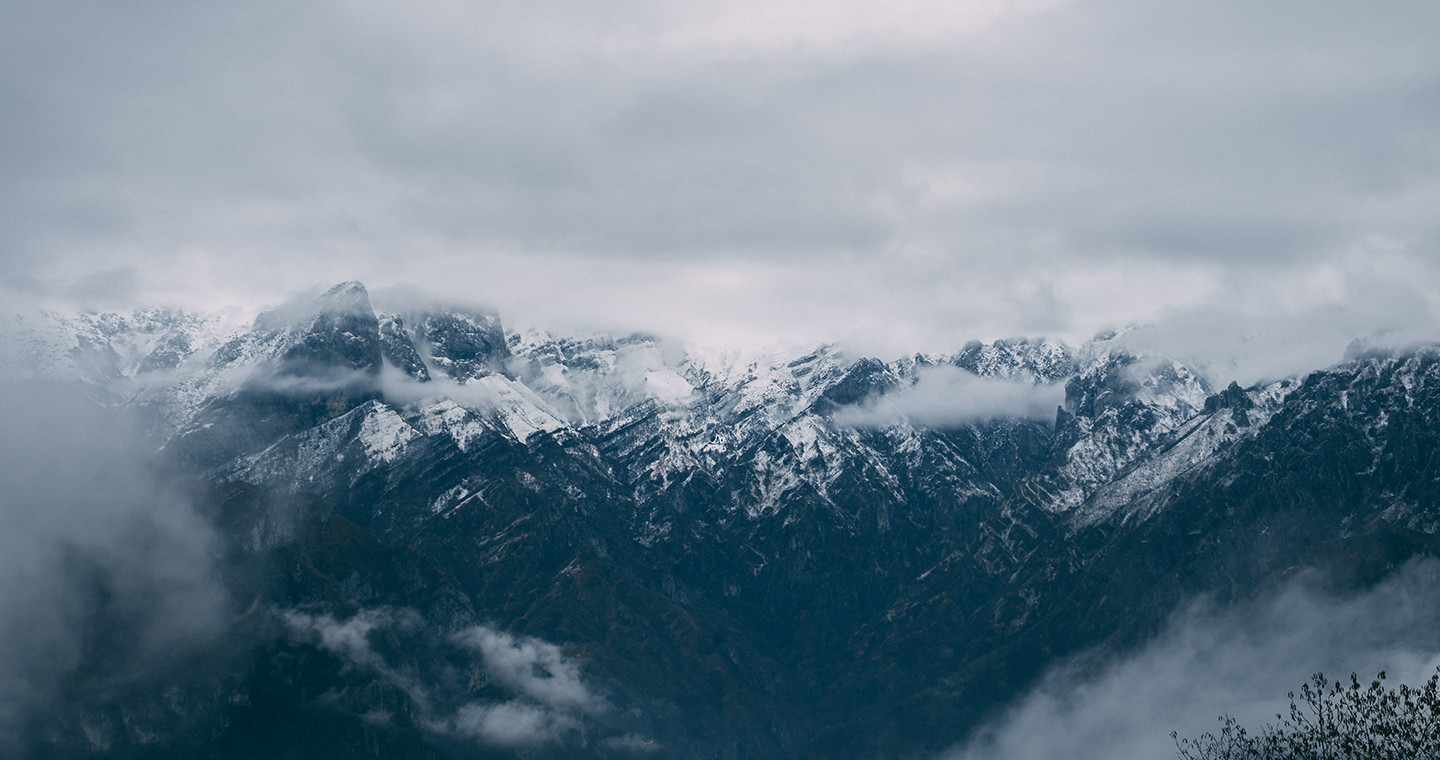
(1334, 721)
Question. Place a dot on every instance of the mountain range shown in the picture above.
(433, 537)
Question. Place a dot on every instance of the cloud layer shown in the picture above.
(902, 178)
(100, 562)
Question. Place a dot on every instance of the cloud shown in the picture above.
(351, 638)
(512, 724)
(906, 179)
(328, 380)
(805, 28)
(534, 668)
(634, 743)
(548, 701)
(945, 396)
(1301, 319)
(1209, 660)
(553, 700)
(96, 553)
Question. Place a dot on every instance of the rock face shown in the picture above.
(738, 563)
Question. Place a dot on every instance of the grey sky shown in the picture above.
(901, 175)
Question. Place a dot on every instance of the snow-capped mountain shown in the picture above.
(818, 554)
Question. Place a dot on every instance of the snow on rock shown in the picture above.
(1034, 359)
(1194, 445)
(103, 347)
(809, 438)
(520, 410)
(365, 438)
(307, 456)
(665, 412)
(445, 417)
(384, 433)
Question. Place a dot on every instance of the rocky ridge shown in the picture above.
(745, 551)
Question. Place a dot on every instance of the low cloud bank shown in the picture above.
(1290, 322)
(98, 558)
(1210, 661)
(945, 396)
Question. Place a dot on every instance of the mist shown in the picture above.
(945, 396)
(1240, 661)
(1281, 326)
(99, 558)
(538, 695)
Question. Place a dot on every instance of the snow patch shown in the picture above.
(519, 409)
(384, 434)
(448, 418)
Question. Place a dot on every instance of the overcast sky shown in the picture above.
(903, 175)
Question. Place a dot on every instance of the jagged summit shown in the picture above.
(350, 292)
(1041, 359)
(344, 299)
(334, 356)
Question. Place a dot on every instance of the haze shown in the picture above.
(898, 176)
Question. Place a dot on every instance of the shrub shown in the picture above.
(1334, 722)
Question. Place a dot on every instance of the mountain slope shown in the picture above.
(808, 555)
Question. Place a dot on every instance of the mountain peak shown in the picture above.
(348, 297)
(343, 333)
